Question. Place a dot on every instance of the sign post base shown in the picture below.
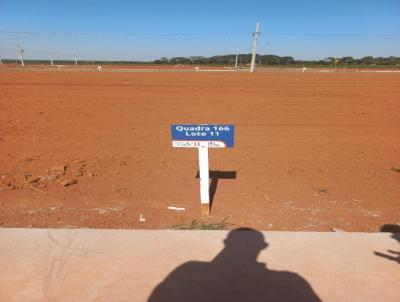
(205, 209)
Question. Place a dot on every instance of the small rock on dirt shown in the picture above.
(77, 161)
(69, 182)
(57, 170)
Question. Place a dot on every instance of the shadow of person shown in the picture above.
(395, 230)
(233, 275)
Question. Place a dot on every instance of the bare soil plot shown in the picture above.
(314, 151)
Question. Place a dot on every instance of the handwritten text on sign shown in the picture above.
(207, 135)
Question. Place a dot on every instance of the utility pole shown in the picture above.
(236, 61)
(51, 59)
(255, 43)
(76, 59)
(20, 51)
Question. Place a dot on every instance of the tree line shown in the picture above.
(245, 59)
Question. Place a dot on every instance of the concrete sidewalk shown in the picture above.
(133, 265)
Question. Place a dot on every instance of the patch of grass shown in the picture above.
(198, 225)
(395, 169)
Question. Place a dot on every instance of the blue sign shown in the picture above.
(203, 135)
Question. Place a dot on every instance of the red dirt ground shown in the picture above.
(314, 151)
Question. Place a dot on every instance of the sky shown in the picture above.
(370, 27)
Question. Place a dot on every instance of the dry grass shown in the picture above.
(198, 225)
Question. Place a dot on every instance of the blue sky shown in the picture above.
(376, 17)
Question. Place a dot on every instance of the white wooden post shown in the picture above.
(204, 179)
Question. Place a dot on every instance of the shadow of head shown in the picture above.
(245, 242)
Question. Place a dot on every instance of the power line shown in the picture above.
(122, 34)
(333, 34)
(199, 34)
